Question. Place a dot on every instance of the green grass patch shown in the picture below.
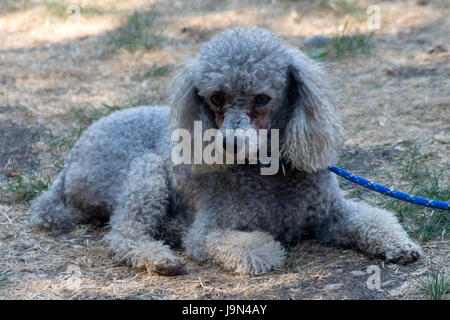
(4, 276)
(434, 285)
(359, 128)
(7, 6)
(350, 44)
(27, 185)
(136, 32)
(422, 222)
(56, 8)
(344, 45)
(86, 116)
(154, 71)
(318, 54)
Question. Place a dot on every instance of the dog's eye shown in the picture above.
(261, 100)
(218, 99)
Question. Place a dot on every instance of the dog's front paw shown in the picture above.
(249, 253)
(403, 253)
(257, 263)
(168, 266)
(151, 255)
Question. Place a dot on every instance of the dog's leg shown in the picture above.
(136, 221)
(375, 231)
(248, 253)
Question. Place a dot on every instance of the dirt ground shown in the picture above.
(395, 97)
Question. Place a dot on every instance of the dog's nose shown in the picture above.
(235, 143)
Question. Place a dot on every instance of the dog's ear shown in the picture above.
(186, 105)
(313, 134)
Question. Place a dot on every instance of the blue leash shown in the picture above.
(390, 192)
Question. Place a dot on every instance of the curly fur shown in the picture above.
(228, 214)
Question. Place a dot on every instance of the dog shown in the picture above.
(121, 169)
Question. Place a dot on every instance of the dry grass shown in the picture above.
(57, 73)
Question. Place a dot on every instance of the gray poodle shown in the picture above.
(121, 169)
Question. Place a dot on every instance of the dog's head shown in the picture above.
(247, 79)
